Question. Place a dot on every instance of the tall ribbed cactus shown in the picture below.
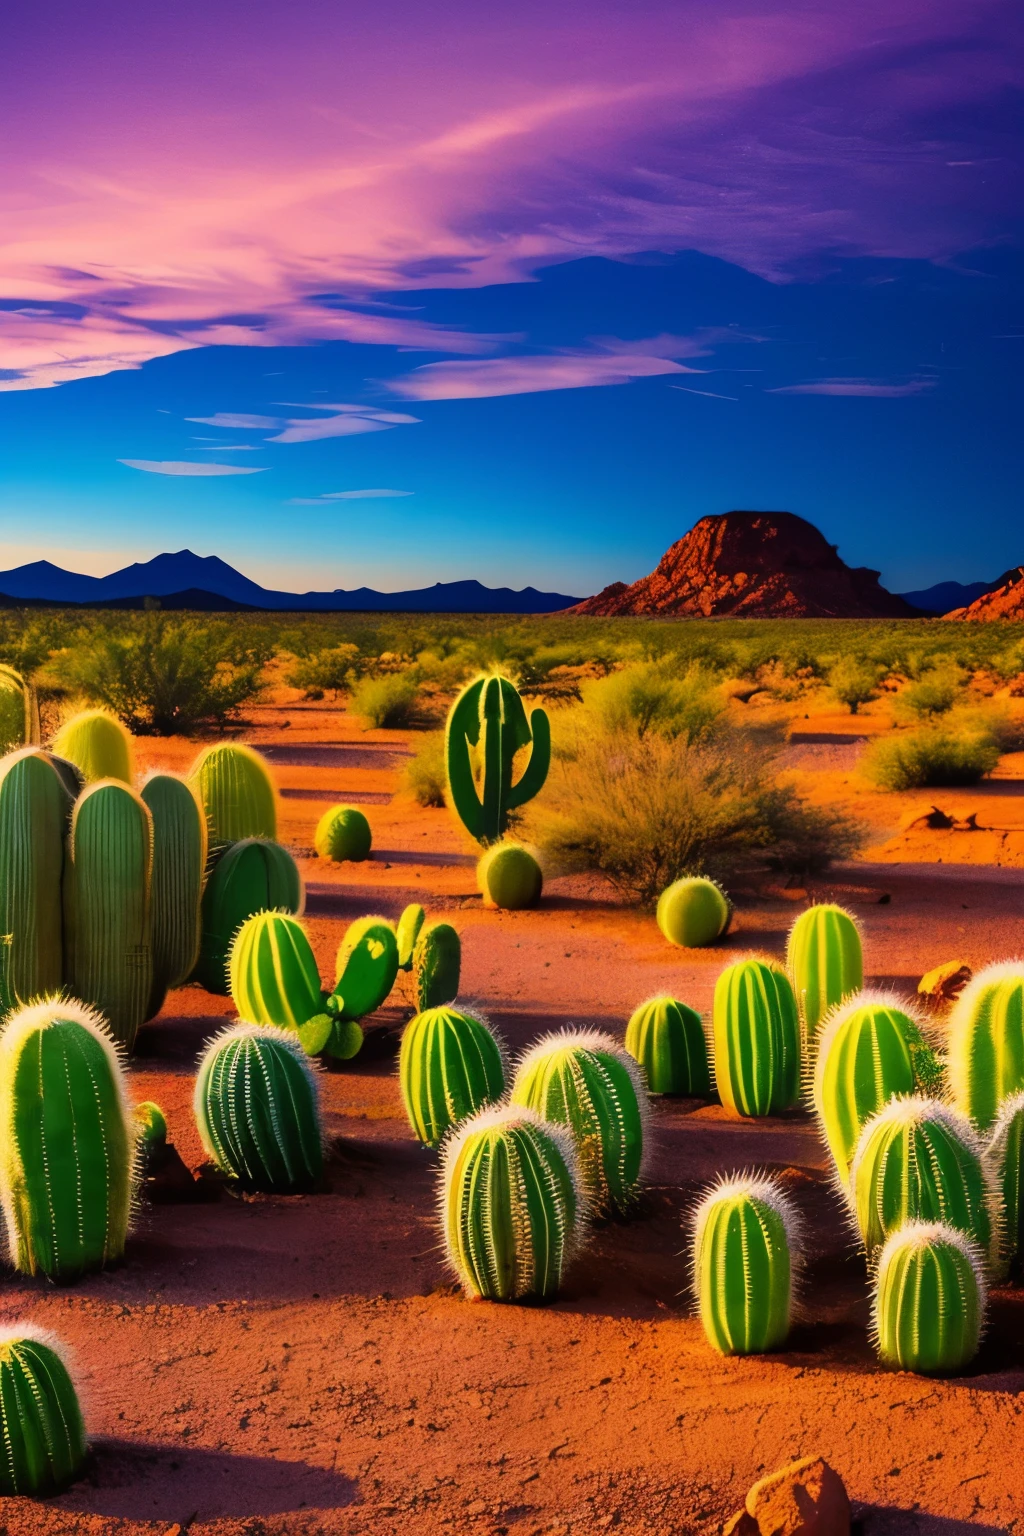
(179, 871)
(1005, 1157)
(366, 968)
(747, 1250)
(929, 1303)
(97, 743)
(42, 1436)
(257, 1110)
(513, 1214)
(825, 961)
(585, 1080)
(67, 1141)
(985, 1048)
(236, 791)
(437, 966)
(253, 876)
(756, 1039)
(489, 715)
(667, 1039)
(107, 880)
(34, 810)
(693, 912)
(450, 1065)
(15, 711)
(870, 1051)
(273, 973)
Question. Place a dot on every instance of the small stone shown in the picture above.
(945, 982)
(806, 1498)
(741, 1524)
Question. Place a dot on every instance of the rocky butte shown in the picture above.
(1003, 600)
(752, 565)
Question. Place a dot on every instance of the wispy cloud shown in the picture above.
(867, 389)
(708, 394)
(331, 496)
(345, 421)
(174, 467)
(236, 419)
(229, 448)
(529, 375)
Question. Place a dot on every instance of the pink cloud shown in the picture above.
(867, 389)
(528, 375)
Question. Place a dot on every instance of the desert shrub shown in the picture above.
(425, 776)
(648, 698)
(933, 692)
(327, 671)
(932, 756)
(387, 702)
(989, 718)
(853, 682)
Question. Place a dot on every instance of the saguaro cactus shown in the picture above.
(667, 1039)
(34, 809)
(450, 1065)
(489, 714)
(986, 1042)
(97, 743)
(929, 1302)
(273, 973)
(437, 966)
(179, 871)
(256, 1106)
(1005, 1157)
(747, 1250)
(254, 876)
(693, 912)
(237, 793)
(513, 1214)
(67, 1141)
(825, 961)
(42, 1436)
(756, 1039)
(15, 711)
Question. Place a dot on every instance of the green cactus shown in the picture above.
(513, 1215)
(253, 876)
(42, 1436)
(97, 743)
(236, 791)
(667, 1039)
(693, 912)
(107, 881)
(1005, 1157)
(343, 833)
(929, 1303)
(747, 1250)
(450, 1065)
(918, 1160)
(985, 1047)
(179, 871)
(585, 1080)
(870, 1051)
(756, 1039)
(150, 1124)
(15, 711)
(67, 1141)
(273, 972)
(366, 968)
(509, 877)
(825, 961)
(407, 931)
(489, 716)
(257, 1110)
(34, 811)
(437, 966)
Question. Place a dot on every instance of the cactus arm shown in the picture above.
(461, 731)
(532, 781)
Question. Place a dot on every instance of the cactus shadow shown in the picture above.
(884, 1520)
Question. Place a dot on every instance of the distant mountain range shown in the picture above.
(946, 595)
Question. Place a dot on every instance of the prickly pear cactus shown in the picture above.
(253, 876)
(666, 1039)
(98, 744)
(407, 931)
(42, 1436)
(273, 973)
(489, 715)
(1004, 1155)
(179, 872)
(825, 961)
(746, 1254)
(450, 1065)
(930, 1296)
(437, 966)
(985, 1048)
(343, 833)
(693, 912)
(235, 788)
(34, 811)
(509, 877)
(366, 968)
(756, 1039)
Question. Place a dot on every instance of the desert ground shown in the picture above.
(305, 1364)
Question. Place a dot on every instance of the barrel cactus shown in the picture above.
(509, 877)
(407, 931)
(15, 711)
(236, 791)
(929, 1302)
(42, 1436)
(756, 1037)
(366, 968)
(150, 1125)
(512, 1213)
(343, 833)
(586, 1081)
(488, 715)
(67, 1141)
(257, 1109)
(985, 1047)
(667, 1039)
(1005, 1157)
(825, 960)
(693, 912)
(437, 966)
(179, 871)
(254, 876)
(747, 1250)
(34, 811)
(273, 972)
(450, 1065)
(97, 743)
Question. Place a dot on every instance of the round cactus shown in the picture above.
(929, 1303)
(985, 1049)
(42, 1436)
(98, 744)
(1005, 1157)
(407, 931)
(825, 960)
(585, 1080)
(366, 968)
(746, 1256)
(437, 966)
(273, 972)
(179, 870)
(34, 810)
(151, 1124)
(15, 711)
(450, 1065)
(509, 877)
(667, 1039)
(756, 1039)
(257, 1109)
(693, 912)
(253, 876)
(513, 1214)
(236, 791)
(343, 833)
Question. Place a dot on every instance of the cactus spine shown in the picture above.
(437, 966)
(489, 715)
(42, 1436)
(756, 1039)
(929, 1302)
(15, 711)
(256, 1106)
(746, 1255)
(98, 744)
(34, 809)
(253, 876)
(366, 968)
(1005, 1157)
(825, 961)
(667, 1039)
(450, 1065)
(986, 1042)
(693, 912)
(67, 1141)
(343, 833)
(179, 870)
(512, 1208)
(236, 791)
(273, 973)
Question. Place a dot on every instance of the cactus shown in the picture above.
(985, 1048)
(107, 879)
(257, 1109)
(1005, 1157)
(150, 1124)
(747, 1250)
(929, 1303)
(97, 743)
(407, 931)
(437, 966)
(366, 968)
(236, 791)
(509, 877)
(273, 973)
(918, 1160)
(693, 912)
(34, 810)
(15, 711)
(586, 1081)
(513, 1215)
(343, 833)
(67, 1141)
(756, 1039)
(667, 1039)
(489, 715)
(870, 1051)
(825, 962)
(42, 1436)
(179, 870)
(449, 1066)
(253, 876)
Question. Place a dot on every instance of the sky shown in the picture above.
(355, 294)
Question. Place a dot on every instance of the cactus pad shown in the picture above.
(366, 968)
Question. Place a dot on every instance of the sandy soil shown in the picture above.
(304, 1365)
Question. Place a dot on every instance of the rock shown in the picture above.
(1003, 600)
(946, 981)
(807, 1498)
(741, 1524)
